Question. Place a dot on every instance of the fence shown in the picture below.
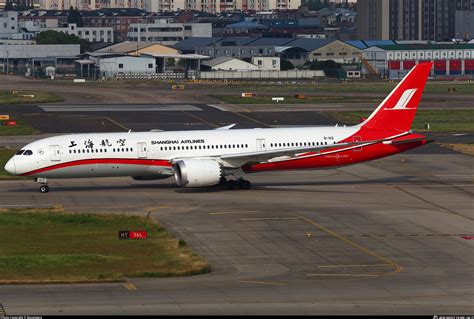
(291, 74)
(152, 76)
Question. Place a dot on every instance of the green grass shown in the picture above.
(50, 245)
(348, 87)
(7, 97)
(466, 148)
(21, 128)
(232, 99)
(440, 120)
(5, 155)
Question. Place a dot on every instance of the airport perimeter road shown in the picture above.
(393, 236)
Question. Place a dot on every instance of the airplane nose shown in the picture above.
(10, 167)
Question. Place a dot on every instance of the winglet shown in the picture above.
(227, 127)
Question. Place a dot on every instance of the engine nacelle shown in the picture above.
(197, 173)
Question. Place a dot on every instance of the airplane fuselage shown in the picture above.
(149, 153)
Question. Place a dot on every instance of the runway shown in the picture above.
(391, 236)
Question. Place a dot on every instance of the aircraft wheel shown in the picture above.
(44, 189)
(244, 184)
(231, 184)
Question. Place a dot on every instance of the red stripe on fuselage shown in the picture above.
(127, 161)
(339, 156)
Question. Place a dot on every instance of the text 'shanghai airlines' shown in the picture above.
(209, 157)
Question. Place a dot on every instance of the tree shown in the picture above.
(9, 6)
(54, 37)
(74, 16)
(324, 65)
(315, 5)
(286, 65)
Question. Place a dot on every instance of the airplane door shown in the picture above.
(261, 144)
(141, 147)
(357, 139)
(55, 154)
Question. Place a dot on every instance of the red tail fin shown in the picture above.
(398, 109)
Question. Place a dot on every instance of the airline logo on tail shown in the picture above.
(404, 100)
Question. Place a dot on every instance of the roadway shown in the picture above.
(386, 237)
(393, 236)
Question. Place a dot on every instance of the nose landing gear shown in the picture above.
(44, 188)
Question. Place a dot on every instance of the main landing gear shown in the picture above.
(44, 188)
(239, 184)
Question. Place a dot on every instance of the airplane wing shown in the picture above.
(241, 159)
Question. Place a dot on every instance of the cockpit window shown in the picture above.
(28, 152)
(19, 152)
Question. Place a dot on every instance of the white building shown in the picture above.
(229, 64)
(91, 34)
(167, 33)
(267, 63)
(164, 5)
(8, 24)
(127, 65)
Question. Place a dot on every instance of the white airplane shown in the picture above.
(209, 157)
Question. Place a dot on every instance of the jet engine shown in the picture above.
(197, 173)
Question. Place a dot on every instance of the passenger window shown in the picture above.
(28, 152)
(20, 152)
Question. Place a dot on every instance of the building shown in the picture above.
(406, 18)
(8, 24)
(167, 33)
(432, 20)
(20, 4)
(30, 59)
(464, 19)
(438, 20)
(338, 51)
(228, 64)
(267, 63)
(111, 66)
(164, 5)
(297, 50)
(373, 17)
(212, 6)
(91, 34)
(117, 19)
(226, 47)
(394, 61)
